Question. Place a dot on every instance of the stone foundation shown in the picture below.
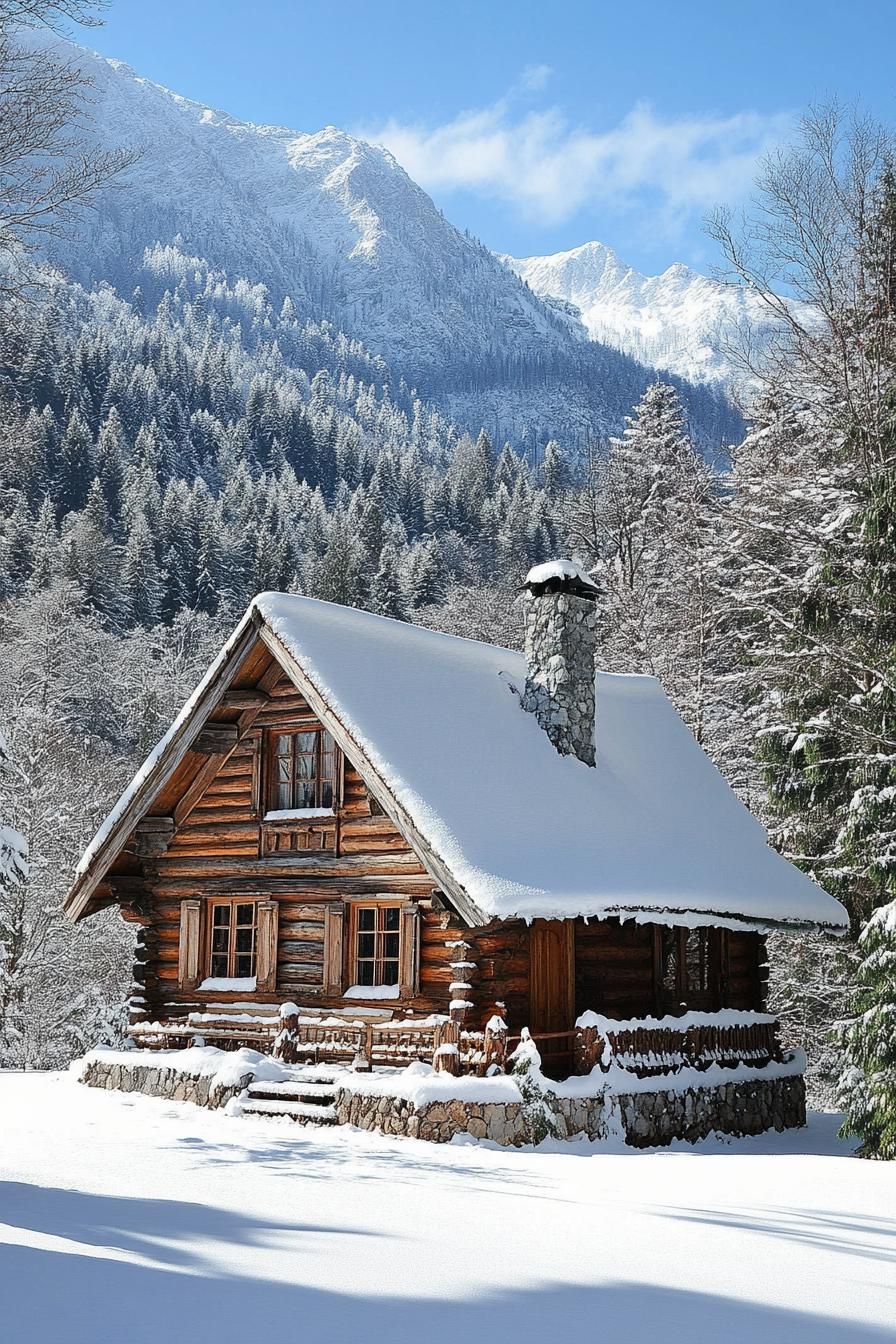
(654, 1119)
(155, 1080)
(643, 1119)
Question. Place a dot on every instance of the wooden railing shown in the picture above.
(644, 1048)
(647, 1050)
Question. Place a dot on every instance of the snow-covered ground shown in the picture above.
(128, 1219)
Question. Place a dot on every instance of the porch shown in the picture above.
(643, 1047)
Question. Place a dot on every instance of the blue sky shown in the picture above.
(537, 126)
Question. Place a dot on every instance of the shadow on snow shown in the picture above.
(51, 1297)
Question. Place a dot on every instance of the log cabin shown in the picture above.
(380, 823)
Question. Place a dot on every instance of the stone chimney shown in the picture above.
(561, 641)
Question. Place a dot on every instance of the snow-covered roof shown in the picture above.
(651, 832)
(653, 827)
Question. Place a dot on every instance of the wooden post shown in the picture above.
(447, 1054)
(286, 1042)
(495, 1046)
(590, 1050)
(461, 1002)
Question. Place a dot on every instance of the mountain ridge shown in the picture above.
(679, 321)
(337, 224)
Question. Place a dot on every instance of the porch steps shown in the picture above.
(308, 1099)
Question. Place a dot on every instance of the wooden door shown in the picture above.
(552, 976)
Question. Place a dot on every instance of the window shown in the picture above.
(690, 968)
(695, 961)
(303, 770)
(232, 940)
(377, 940)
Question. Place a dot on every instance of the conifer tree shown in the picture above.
(140, 575)
(868, 1082)
(814, 513)
(386, 595)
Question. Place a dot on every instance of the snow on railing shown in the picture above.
(645, 1047)
(650, 1046)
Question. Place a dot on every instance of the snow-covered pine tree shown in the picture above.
(644, 524)
(810, 539)
(813, 537)
(386, 594)
(868, 1083)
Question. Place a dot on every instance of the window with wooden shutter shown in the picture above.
(232, 941)
(409, 956)
(188, 946)
(334, 925)
(266, 946)
(376, 945)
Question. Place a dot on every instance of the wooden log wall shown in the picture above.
(747, 976)
(614, 968)
(218, 850)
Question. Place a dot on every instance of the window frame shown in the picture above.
(292, 731)
(684, 994)
(231, 902)
(379, 934)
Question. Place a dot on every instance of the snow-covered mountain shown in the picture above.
(680, 321)
(339, 226)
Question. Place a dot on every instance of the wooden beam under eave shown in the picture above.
(78, 901)
(237, 731)
(215, 739)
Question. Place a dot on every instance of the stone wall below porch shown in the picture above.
(650, 1115)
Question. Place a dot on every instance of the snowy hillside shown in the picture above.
(680, 321)
(339, 226)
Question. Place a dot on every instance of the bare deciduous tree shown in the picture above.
(46, 166)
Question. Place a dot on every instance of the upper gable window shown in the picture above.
(303, 770)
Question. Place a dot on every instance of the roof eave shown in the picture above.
(76, 903)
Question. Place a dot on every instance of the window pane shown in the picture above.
(326, 742)
(219, 966)
(305, 793)
(306, 742)
(390, 945)
(243, 966)
(245, 914)
(366, 944)
(221, 914)
(390, 917)
(244, 940)
(670, 960)
(284, 797)
(365, 973)
(304, 767)
(390, 973)
(284, 769)
(220, 939)
(284, 746)
(367, 918)
(326, 794)
(696, 960)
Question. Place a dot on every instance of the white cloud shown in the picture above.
(534, 78)
(540, 162)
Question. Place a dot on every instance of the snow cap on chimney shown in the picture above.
(561, 642)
